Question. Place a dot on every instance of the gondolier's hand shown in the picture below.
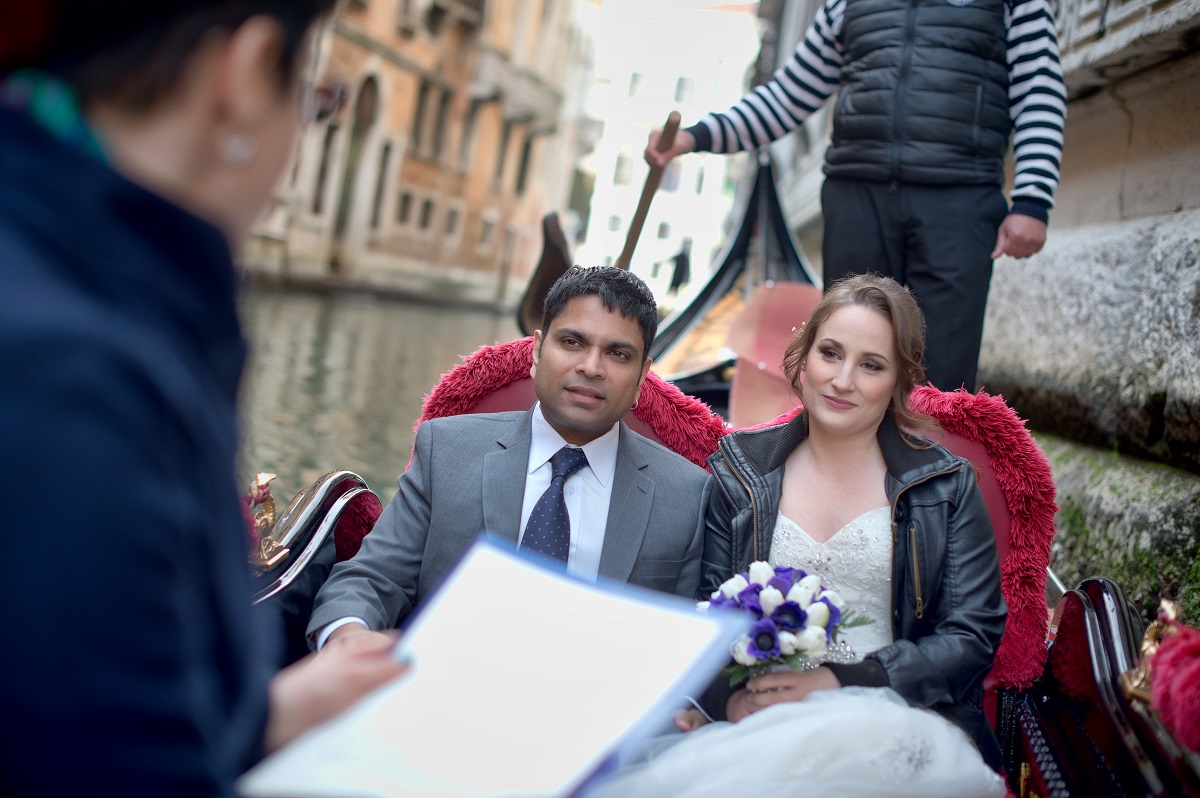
(1020, 236)
(684, 143)
(323, 685)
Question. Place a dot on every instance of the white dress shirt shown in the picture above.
(587, 492)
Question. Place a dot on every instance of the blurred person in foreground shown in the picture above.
(138, 143)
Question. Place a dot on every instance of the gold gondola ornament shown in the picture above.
(266, 550)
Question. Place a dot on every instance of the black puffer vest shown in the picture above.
(924, 93)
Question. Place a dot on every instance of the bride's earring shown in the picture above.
(239, 150)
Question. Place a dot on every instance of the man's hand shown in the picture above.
(683, 143)
(1020, 236)
(322, 685)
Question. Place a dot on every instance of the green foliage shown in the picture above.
(1169, 569)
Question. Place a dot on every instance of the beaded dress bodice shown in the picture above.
(856, 562)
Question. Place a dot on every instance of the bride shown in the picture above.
(898, 527)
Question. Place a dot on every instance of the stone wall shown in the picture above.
(1097, 338)
(1129, 520)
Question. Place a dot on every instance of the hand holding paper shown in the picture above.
(321, 686)
(523, 682)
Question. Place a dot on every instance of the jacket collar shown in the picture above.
(765, 450)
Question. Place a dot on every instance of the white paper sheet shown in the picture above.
(523, 682)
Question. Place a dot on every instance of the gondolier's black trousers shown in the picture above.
(937, 240)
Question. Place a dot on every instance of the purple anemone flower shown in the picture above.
(764, 640)
(780, 583)
(748, 600)
(789, 617)
(719, 601)
(790, 576)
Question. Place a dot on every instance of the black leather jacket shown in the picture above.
(947, 610)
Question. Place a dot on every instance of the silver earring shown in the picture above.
(239, 150)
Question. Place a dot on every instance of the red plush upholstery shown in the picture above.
(356, 521)
(496, 378)
(1176, 684)
(1022, 474)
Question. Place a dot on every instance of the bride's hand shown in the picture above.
(777, 688)
(739, 706)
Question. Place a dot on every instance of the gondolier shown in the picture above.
(929, 92)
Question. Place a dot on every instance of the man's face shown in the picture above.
(587, 369)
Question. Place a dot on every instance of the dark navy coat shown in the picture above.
(131, 663)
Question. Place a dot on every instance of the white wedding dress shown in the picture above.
(854, 741)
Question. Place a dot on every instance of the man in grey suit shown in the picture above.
(634, 509)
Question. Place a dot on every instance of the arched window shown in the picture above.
(385, 160)
(318, 198)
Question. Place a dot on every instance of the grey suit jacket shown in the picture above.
(467, 476)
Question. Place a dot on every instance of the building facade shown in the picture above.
(460, 131)
(655, 56)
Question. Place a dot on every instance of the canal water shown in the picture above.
(337, 381)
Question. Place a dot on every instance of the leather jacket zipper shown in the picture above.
(912, 536)
(919, 610)
(753, 504)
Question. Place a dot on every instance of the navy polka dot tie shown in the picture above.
(548, 531)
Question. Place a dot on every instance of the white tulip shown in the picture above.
(811, 641)
(741, 652)
(770, 598)
(788, 643)
(834, 597)
(801, 594)
(811, 581)
(818, 615)
(734, 585)
(761, 573)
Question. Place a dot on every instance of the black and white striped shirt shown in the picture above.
(1036, 96)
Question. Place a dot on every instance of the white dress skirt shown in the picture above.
(856, 741)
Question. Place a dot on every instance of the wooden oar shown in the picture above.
(665, 141)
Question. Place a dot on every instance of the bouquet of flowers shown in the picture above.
(796, 620)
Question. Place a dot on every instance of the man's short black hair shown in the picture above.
(618, 289)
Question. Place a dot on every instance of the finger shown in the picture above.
(1001, 242)
(764, 700)
(769, 682)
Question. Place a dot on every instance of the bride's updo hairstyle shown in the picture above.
(896, 304)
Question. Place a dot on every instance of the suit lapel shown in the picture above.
(502, 493)
(628, 510)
